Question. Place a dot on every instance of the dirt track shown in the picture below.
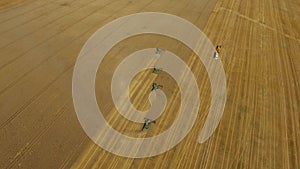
(41, 39)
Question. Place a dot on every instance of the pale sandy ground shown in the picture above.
(41, 39)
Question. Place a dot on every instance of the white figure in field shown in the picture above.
(216, 54)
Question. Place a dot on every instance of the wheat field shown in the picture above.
(40, 41)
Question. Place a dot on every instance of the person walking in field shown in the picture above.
(147, 124)
(216, 54)
(218, 48)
